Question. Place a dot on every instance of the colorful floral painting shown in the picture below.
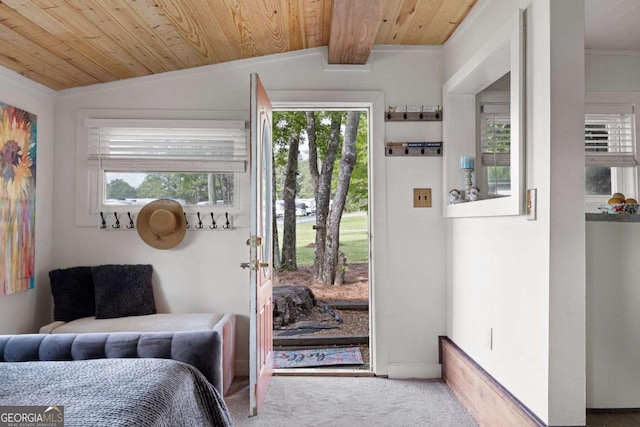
(18, 134)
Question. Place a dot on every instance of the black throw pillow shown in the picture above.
(73, 294)
(123, 290)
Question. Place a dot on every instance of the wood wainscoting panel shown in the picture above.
(488, 402)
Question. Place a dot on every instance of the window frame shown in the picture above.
(624, 179)
(90, 182)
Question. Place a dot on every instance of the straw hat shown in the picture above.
(161, 223)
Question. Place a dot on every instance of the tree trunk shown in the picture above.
(323, 195)
(313, 151)
(274, 220)
(289, 261)
(347, 162)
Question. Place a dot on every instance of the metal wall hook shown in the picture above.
(103, 221)
(117, 224)
(186, 221)
(199, 226)
(131, 225)
(213, 225)
(227, 225)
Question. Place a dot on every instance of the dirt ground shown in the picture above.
(339, 322)
(354, 289)
(352, 322)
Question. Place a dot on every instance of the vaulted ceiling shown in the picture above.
(71, 43)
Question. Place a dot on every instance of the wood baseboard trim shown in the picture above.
(488, 402)
(613, 410)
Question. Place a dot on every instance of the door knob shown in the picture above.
(245, 265)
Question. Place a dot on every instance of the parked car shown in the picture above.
(301, 209)
(279, 208)
(311, 205)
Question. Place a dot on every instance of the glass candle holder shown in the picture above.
(466, 162)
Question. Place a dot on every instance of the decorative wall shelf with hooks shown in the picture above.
(413, 114)
(405, 149)
(195, 222)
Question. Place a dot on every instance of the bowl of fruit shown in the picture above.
(618, 204)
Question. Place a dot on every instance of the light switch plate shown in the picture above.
(421, 197)
(532, 204)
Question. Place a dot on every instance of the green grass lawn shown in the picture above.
(354, 240)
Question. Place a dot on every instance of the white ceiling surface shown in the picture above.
(612, 24)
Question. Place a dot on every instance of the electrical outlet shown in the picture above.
(421, 197)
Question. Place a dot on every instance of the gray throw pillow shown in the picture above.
(123, 290)
(73, 294)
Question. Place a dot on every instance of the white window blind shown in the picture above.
(609, 132)
(168, 146)
(495, 134)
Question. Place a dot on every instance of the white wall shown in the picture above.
(25, 312)
(613, 318)
(613, 295)
(203, 273)
(524, 280)
(612, 70)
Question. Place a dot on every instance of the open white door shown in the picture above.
(261, 248)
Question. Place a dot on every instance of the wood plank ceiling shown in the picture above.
(72, 43)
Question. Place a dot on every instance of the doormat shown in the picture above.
(317, 357)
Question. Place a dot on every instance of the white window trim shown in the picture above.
(88, 189)
(631, 177)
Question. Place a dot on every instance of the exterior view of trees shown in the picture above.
(334, 174)
(193, 188)
(120, 189)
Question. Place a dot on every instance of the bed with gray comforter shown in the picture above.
(116, 392)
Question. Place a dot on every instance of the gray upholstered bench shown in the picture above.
(203, 340)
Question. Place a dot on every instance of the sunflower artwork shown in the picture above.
(18, 134)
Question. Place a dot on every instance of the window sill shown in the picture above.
(602, 217)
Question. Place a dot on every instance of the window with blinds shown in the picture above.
(495, 134)
(192, 161)
(609, 135)
(495, 145)
(610, 150)
(186, 146)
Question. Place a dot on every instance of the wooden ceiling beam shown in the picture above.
(354, 26)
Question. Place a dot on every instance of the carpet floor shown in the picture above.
(350, 401)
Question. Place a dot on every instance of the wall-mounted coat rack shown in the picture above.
(405, 149)
(413, 114)
(198, 222)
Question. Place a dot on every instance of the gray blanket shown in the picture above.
(116, 392)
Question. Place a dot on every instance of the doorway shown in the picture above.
(322, 246)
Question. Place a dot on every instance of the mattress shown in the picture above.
(161, 322)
